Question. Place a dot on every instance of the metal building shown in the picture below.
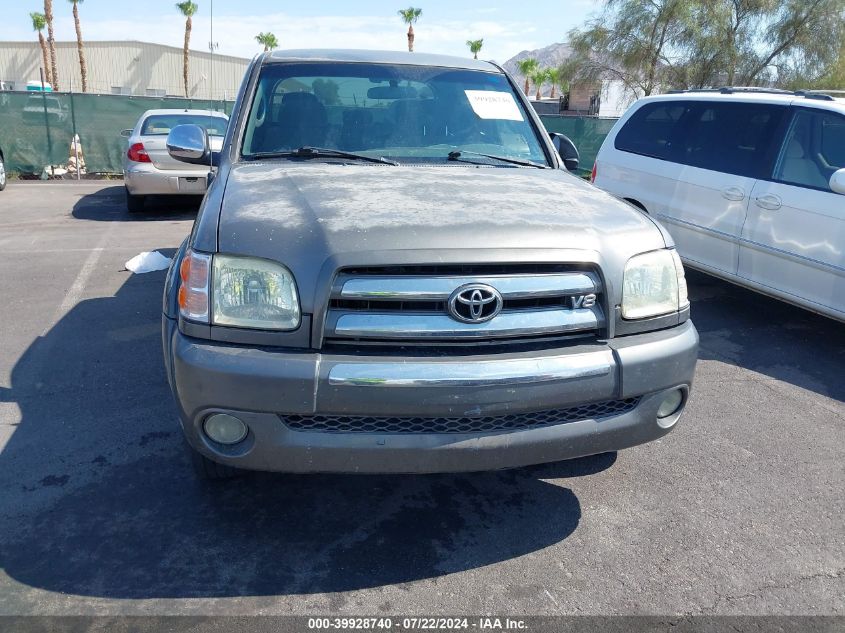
(128, 67)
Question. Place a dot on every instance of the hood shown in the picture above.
(303, 214)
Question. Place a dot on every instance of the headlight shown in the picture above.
(253, 293)
(654, 284)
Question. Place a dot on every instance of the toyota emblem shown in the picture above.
(475, 303)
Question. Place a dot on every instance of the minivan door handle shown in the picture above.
(733, 193)
(770, 202)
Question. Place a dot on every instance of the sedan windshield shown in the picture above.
(410, 114)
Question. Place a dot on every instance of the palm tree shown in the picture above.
(410, 16)
(51, 41)
(539, 77)
(526, 68)
(187, 9)
(556, 78)
(39, 23)
(475, 47)
(268, 40)
(83, 67)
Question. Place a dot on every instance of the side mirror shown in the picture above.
(189, 144)
(837, 182)
(567, 150)
(126, 133)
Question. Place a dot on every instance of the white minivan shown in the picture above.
(749, 182)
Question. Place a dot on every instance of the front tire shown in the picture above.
(3, 176)
(134, 204)
(209, 470)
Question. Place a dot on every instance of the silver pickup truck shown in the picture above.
(394, 271)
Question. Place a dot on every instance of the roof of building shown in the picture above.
(380, 57)
(123, 43)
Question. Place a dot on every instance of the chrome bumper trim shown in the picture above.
(405, 325)
(409, 288)
(472, 374)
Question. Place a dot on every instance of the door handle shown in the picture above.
(770, 202)
(733, 193)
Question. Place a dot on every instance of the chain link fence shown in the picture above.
(37, 130)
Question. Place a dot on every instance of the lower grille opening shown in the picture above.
(510, 422)
(444, 349)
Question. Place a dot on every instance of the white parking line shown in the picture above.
(89, 183)
(114, 249)
(74, 293)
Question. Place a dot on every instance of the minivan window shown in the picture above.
(813, 150)
(652, 129)
(407, 113)
(733, 138)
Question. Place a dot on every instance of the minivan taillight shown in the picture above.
(593, 175)
(138, 154)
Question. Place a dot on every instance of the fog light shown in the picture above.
(671, 403)
(224, 429)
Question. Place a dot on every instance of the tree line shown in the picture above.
(655, 45)
(41, 21)
(648, 45)
(658, 45)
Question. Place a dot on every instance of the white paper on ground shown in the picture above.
(489, 104)
(148, 262)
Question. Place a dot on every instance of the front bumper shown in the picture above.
(145, 179)
(261, 387)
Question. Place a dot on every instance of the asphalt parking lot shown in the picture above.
(738, 511)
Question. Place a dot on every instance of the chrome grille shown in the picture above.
(511, 422)
(409, 304)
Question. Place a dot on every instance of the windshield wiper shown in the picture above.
(322, 152)
(457, 154)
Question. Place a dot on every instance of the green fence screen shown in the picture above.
(586, 132)
(37, 129)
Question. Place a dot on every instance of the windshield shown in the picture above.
(161, 124)
(405, 113)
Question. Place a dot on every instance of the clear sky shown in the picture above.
(507, 27)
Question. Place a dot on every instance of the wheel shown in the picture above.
(2, 174)
(210, 470)
(135, 204)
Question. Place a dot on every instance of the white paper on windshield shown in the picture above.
(488, 104)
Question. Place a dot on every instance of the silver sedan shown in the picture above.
(148, 169)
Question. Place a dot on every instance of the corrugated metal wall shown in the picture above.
(137, 68)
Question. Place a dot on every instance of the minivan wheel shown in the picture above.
(135, 204)
(210, 470)
(2, 174)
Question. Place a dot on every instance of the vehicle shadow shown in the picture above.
(98, 497)
(744, 328)
(109, 205)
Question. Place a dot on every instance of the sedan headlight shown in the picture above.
(654, 284)
(253, 293)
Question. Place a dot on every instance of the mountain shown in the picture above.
(549, 57)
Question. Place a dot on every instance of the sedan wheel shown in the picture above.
(2, 174)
